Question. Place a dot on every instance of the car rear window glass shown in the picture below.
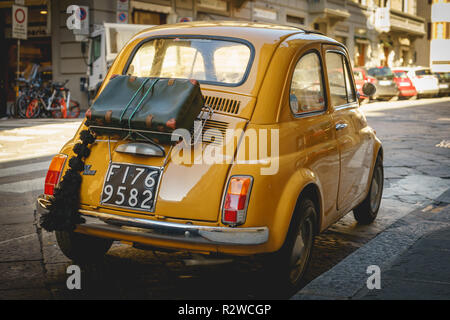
(401, 74)
(423, 72)
(307, 94)
(207, 60)
(381, 72)
(339, 80)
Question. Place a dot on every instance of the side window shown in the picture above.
(339, 79)
(351, 95)
(306, 92)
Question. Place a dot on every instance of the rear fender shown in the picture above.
(291, 194)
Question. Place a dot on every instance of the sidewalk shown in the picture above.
(413, 255)
(422, 272)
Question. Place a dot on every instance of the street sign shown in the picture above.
(185, 19)
(20, 22)
(122, 5)
(122, 17)
(382, 20)
(82, 15)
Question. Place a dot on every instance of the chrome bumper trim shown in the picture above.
(169, 230)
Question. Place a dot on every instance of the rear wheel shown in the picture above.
(27, 107)
(80, 247)
(73, 111)
(367, 211)
(287, 267)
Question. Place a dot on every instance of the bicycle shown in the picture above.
(50, 100)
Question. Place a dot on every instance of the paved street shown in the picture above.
(416, 140)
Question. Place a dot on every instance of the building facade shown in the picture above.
(440, 36)
(376, 32)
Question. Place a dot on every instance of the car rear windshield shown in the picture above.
(443, 75)
(423, 72)
(401, 74)
(216, 61)
(381, 72)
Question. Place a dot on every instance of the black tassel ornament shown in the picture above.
(63, 212)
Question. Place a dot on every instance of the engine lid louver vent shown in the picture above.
(223, 104)
(207, 136)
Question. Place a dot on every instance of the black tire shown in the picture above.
(286, 267)
(82, 248)
(21, 106)
(367, 211)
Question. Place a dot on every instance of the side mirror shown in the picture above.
(369, 89)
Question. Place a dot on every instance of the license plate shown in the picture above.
(385, 83)
(443, 86)
(131, 186)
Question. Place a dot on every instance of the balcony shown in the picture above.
(396, 21)
(331, 11)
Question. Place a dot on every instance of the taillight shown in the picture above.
(236, 199)
(54, 173)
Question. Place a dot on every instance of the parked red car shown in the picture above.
(404, 84)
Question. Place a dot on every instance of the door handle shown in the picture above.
(340, 126)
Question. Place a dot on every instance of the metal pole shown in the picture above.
(18, 67)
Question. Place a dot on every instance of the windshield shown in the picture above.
(381, 72)
(207, 60)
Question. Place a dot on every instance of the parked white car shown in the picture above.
(426, 83)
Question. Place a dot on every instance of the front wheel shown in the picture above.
(287, 266)
(367, 211)
(80, 247)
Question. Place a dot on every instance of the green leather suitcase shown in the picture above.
(152, 106)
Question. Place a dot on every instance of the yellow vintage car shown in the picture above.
(301, 154)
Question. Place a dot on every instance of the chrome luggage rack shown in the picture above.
(206, 114)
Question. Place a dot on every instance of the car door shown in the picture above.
(352, 132)
(314, 124)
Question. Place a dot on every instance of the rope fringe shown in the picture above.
(63, 212)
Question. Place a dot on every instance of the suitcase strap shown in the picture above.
(141, 101)
(132, 99)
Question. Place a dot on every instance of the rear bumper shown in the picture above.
(386, 91)
(407, 92)
(428, 91)
(121, 227)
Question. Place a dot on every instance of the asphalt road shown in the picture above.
(416, 141)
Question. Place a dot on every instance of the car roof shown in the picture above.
(251, 31)
(264, 37)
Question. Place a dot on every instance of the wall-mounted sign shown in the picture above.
(122, 17)
(123, 5)
(265, 14)
(19, 22)
(216, 5)
(383, 19)
(79, 19)
(185, 19)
